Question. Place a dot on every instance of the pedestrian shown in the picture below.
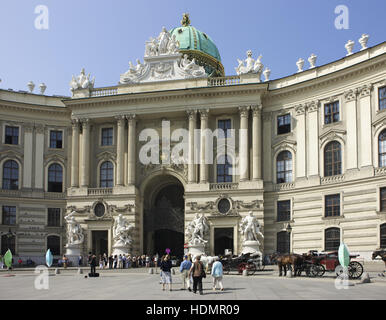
(129, 261)
(120, 261)
(124, 261)
(166, 266)
(104, 260)
(100, 262)
(65, 259)
(156, 262)
(111, 260)
(184, 269)
(147, 259)
(1, 262)
(217, 273)
(93, 264)
(198, 272)
(80, 260)
(115, 261)
(134, 262)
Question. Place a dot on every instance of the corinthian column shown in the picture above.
(120, 149)
(192, 114)
(86, 153)
(203, 165)
(75, 154)
(243, 144)
(256, 142)
(131, 149)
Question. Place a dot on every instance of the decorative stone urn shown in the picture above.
(266, 74)
(349, 46)
(312, 60)
(363, 41)
(31, 86)
(42, 88)
(300, 64)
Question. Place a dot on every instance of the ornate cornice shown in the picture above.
(313, 106)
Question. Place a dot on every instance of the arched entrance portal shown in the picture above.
(164, 216)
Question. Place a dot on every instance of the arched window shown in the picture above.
(382, 149)
(106, 175)
(8, 242)
(382, 234)
(224, 168)
(332, 159)
(284, 167)
(283, 242)
(331, 239)
(55, 178)
(53, 243)
(11, 175)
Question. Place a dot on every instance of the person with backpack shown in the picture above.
(198, 272)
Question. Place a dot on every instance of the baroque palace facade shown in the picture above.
(312, 164)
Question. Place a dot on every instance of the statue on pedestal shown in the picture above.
(74, 230)
(122, 232)
(251, 65)
(197, 229)
(82, 81)
(250, 228)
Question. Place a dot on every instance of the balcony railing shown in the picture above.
(223, 186)
(380, 171)
(99, 191)
(223, 81)
(332, 179)
(101, 92)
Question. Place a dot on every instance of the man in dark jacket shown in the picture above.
(93, 263)
(198, 272)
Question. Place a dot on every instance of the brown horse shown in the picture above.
(286, 261)
(381, 253)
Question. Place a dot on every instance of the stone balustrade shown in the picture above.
(101, 92)
(223, 186)
(332, 179)
(223, 81)
(99, 191)
(380, 171)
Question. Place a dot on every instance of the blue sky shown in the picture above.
(103, 36)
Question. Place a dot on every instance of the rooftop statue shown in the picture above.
(191, 66)
(185, 20)
(251, 65)
(82, 81)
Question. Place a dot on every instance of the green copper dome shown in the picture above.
(198, 45)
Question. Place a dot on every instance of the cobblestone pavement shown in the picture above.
(138, 284)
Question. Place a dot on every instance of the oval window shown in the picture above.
(99, 210)
(223, 206)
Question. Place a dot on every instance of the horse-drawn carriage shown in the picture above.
(251, 263)
(316, 264)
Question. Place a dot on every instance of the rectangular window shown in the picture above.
(382, 98)
(56, 139)
(284, 124)
(107, 136)
(9, 215)
(284, 210)
(225, 125)
(53, 219)
(331, 112)
(332, 205)
(383, 199)
(11, 135)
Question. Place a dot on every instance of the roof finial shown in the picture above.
(185, 20)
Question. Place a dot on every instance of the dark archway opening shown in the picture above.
(164, 219)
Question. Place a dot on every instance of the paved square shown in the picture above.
(137, 284)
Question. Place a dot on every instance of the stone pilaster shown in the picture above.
(256, 142)
(75, 154)
(192, 115)
(204, 114)
(85, 165)
(121, 121)
(131, 142)
(243, 144)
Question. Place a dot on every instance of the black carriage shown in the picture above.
(251, 263)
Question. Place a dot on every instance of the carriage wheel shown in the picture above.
(251, 267)
(355, 270)
(241, 267)
(260, 267)
(318, 270)
(226, 269)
